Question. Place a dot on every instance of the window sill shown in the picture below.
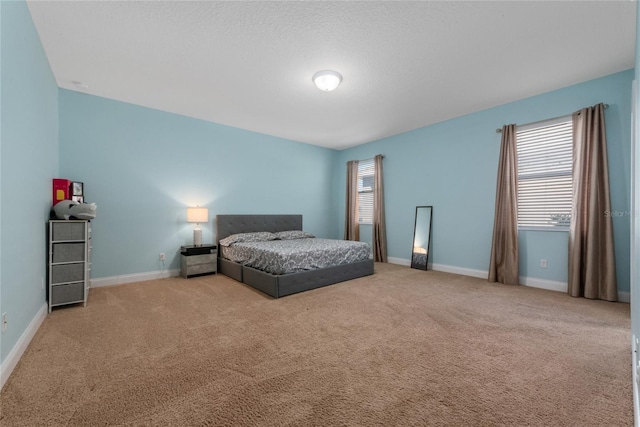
(552, 229)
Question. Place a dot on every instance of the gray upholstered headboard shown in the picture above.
(226, 225)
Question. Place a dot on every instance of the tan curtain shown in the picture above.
(503, 266)
(351, 224)
(379, 230)
(592, 270)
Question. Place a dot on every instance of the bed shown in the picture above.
(279, 285)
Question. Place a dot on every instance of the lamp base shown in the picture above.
(197, 236)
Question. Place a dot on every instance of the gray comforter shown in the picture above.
(291, 256)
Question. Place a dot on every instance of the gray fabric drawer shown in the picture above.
(200, 259)
(67, 273)
(65, 252)
(201, 269)
(197, 264)
(63, 294)
(68, 231)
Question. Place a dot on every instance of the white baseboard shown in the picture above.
(551, 285)
(460, 270)
(399, 261)
(9, 364)
(443, 267)
(634, 376)
(130, 278)
(624, 297)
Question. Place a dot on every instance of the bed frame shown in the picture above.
(285, 284)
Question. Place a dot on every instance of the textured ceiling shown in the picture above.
(404, 64)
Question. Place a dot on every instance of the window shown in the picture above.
(545, 151)
(366, 175)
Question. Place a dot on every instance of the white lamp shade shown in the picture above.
(197, 215)
(327, 80)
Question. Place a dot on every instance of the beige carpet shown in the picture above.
(402, 347)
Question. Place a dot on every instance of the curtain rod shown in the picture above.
(499, 130)
(363, 160)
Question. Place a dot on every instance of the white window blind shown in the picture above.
(545, 153)
(366, 175)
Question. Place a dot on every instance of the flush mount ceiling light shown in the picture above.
(327, 80)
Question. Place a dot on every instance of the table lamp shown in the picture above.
(197, 215)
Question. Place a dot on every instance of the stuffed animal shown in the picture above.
(70, 209)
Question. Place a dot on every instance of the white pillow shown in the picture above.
(293, 234)
(259, 236)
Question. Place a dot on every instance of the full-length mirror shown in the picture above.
(421, 237)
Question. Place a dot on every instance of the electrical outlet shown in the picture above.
(162, 257)
(543, 263)
(4, 322)
(41, 282)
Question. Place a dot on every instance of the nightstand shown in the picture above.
(198, 260)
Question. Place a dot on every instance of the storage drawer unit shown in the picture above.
(69, 230)
(69, 262)
(198, 260)
(68, 294)
(68, 252)
(66, 273)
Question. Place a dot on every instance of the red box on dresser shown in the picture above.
(61, 190)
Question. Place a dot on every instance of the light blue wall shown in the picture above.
(1, 354)
(635, 285)
(29, 159)
(453, 166)
(144, 167)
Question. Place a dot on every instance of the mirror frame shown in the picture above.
(419, 266)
